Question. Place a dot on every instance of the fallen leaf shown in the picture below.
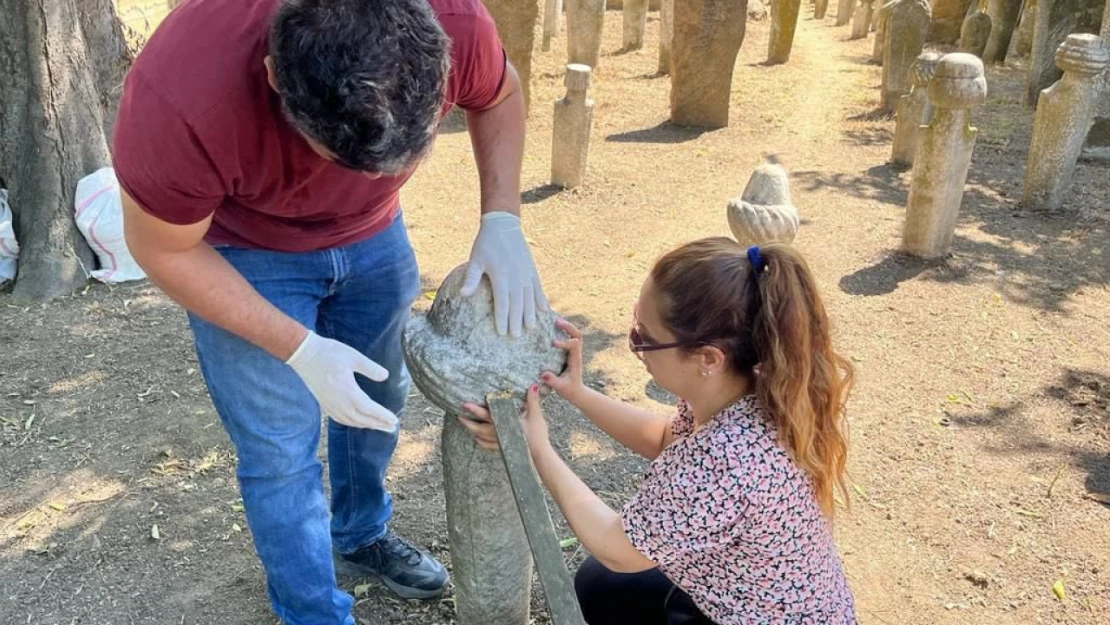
(58, 506)
(568, 542)
(29, 402)
(235, 527)
(1029, 513)
(1058, 590)
(859, 491)
(238, 507)
(430, 295)
(361, 590)
(30, 420)
(154, 533)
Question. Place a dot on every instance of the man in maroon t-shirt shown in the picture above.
(261, 145)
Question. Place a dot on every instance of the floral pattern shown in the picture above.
(735, 523)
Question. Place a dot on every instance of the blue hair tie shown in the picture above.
(756, 259)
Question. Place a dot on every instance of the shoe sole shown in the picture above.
(346, 569)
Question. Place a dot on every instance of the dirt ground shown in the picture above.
(980, 423)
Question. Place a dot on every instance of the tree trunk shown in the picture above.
(64, 66)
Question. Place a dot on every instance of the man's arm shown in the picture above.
(179, 262)
(497, 137)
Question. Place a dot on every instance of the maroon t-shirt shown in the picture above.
(200, 132)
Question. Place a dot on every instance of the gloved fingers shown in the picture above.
(529, 303)
(474, 271)
(369, 368)
(516, 309)
(538, 294)
(370, 414)
(501, 306)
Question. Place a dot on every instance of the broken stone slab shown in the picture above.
(1064, 117)
(914, 111)
(585, 19)
(943, 156)
(764, 212)
(516, 22)
(570, 146)
(882, 16)
(784, 21)
(634, 20)
(455, 355)
(908, 25)
(975, 33)
(707, 37)
(1024, 44)
(861, 19)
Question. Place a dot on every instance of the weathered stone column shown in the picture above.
(914, 111)
(764, 213)
(585, 19)
(975, 33)
(666, 36)
(784, 21)
(1024, 45)
(1064, 116)
(943, 156)
(1056, 19)
(635, 20)
(844, 11)
(861, 19)
(707, 36)
(881, 21)
(905, 39)
(570, 146)
(552, 11)
(820, 9)
(516, 23)
(1098, 139)
(455, 355)
(1004, 17)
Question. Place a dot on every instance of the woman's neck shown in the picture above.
(717, 396)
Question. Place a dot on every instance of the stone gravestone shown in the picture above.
(1098, 140)
(943, 156)
(820, 9)
(1064, 115)
(516, 23)
(455, 355)
(573, 118)
(1004, 17)
(1024, 34)
(948, 17)
(905, 39)
(975, 33)
(861, 19)
(666, 36)
(844, 11)
(585, 19)
(552, 11)
(764, 213)
(784, 21)
(707, 37)
(882, 18)
(634, 20)
(1056, 19)
(914, 111)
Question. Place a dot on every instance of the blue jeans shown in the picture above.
(358, 294)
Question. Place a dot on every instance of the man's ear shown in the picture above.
(271, 75)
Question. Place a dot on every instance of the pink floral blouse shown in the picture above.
(731, 520)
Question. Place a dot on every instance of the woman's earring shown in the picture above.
(704, 373)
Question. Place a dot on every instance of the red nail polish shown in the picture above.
(534, 388)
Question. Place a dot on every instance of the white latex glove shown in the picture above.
(501, 252)
(328, 368)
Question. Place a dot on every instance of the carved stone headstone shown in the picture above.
(975, 33)
(455, 355)
(784, 21)
(585, 19)
(764, 213)
(707, 37)
(943, 156)
(861, 19)
(1064, 116)
(570, 146)
(914, 111)
(844, 11)
(1098, 139)
(880, 20)
(1024, 34)
(948, 16)
(1056, 19)
(1004, 18)
(516, 22)
(820, 9)
(552, 11)
(634, 21)
(905, 39)
(666, 36)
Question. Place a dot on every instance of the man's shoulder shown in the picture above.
(460, 8)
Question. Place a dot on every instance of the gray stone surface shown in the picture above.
(861, 19)
(1056, 19)
(975, 33)
(948, 17)
(1098, 139)
(707, 37)
(905, 39)
(820, 9)
(552, 13)
(634, 21)
(1004, 18)
(1064, 116)
(516, 22)
(943, 156)
(914, 111)
(844, 11)
(585, 19)
(1024, 44)
(784, 21)
(764, 212)
(882, 17)
(570, 146)
(455, 355)
(666, 36)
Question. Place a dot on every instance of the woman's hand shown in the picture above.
(532, 422)
(569, 383)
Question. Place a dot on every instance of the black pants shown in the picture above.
(645, 598)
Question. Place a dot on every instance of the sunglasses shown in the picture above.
(638, 343)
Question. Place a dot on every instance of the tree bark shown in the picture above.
(64, 66)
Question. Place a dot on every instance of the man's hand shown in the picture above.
(328, 368)
(501, 252)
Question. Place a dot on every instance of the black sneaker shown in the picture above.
(406, 570)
